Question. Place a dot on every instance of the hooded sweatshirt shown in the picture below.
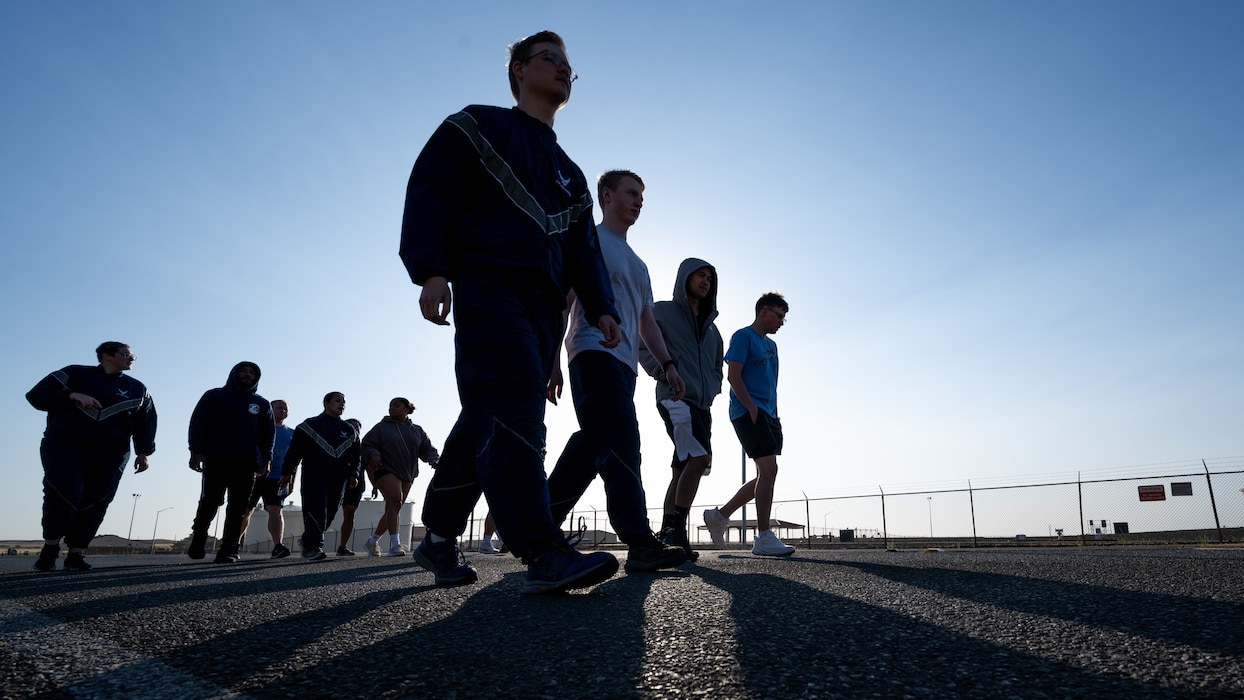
(400, 444)
(233, 421)
(693, 341)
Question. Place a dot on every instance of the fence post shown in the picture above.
(1080, 497)
(1213, 503)
(807, 516)
(972, 503)
(885, 531)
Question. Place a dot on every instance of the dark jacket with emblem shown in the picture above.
(127, 411)
(326, 444)
(493, 190)
(233, 421)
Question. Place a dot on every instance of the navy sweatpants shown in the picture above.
(79, 483)
(506, 337)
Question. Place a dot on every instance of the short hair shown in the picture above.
(610, 179)
(405, 402)
(111, 347)
(283, 402)
(329, 396)
(358, 424)
(772, 299)
(520, 52)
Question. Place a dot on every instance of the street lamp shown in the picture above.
(157, 524)
(825, 522)
(930, 500)
(129, 541)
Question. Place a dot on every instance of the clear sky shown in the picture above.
(1011, 234)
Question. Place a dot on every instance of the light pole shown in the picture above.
(129, 542)
(157, 524)
(930, 500)
(825, 522)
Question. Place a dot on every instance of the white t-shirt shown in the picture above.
(632, 291)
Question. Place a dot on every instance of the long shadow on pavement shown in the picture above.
(795, 640)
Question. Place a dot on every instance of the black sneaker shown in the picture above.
(75, 562)
(651, 555)
(47, 557)
(562, 567)
(198, 546)
(280, 551)
(446, 561)
(226, 556)
(342, 551)
(677, 537)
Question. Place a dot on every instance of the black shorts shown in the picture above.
(760, 439)
(701, 430)
(354, 495)
(266, 489)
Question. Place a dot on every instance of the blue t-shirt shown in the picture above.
(279, 447)
(759, 357)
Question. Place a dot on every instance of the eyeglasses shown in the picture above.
(126, 356)
(777, 312)
(557, 61)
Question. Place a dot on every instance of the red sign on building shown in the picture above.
(1152, 493)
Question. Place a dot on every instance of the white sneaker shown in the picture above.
(373, 548)
(716, 524)
(485, 547)
(768, 544)
(398, 550)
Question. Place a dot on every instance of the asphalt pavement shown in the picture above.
(1083, 622)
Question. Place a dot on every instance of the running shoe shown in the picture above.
(562, 567)
(47, 557)
(652, 555)
(716, 524)
(767, 544)
(446, 561)
(75, 562)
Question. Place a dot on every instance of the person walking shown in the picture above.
(692, 339)
(328, 448)
(231, 436)
(753, 375)
(94, 413)
(497, 225)
(391, 453)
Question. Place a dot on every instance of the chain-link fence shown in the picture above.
(1196, 501)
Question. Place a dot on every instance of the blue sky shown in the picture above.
(1010, 233)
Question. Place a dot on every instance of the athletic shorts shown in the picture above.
(354, 495)
(267, 489)
(700, 423)
(760, 439)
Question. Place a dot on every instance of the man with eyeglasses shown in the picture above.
(94, 413)
(498, 224)
(752, 370)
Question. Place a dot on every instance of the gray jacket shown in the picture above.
(400, 445)
(694, 343)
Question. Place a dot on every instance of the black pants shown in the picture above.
(221, 475)
(79, 483)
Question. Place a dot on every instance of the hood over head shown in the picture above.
(232, 382)
(688, 266)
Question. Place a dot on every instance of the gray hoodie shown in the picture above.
(694, 343)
